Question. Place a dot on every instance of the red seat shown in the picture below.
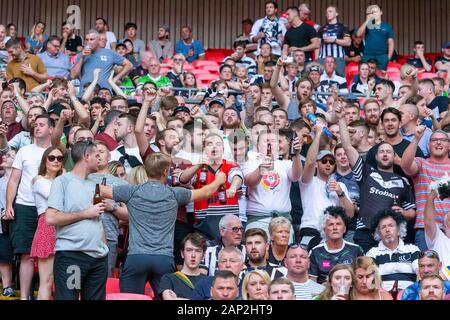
(126, 297)
(112, 286)
(198, 72)
(148, 291)
(393, 69)
(168, 61)
(394, 76)
(351, 68)
(426, 75)
(400, 294)
(202, 63)
(211, 69)
(206, 77)
(394, 65)
(188, 67)
(164, 71)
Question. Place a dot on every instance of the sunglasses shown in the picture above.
(330, 161)
(429, 254)
(53, 158)
(298, 245)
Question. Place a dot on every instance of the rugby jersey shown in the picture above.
(326, 83)
(400, 264)
(429, 171)
(210, 262)
(208, 212)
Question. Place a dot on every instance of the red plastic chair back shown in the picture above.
(426, 75)
(126, 297)
(112, 286)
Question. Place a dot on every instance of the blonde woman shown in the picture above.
(137, 176)
(280, 236)
(339, 285)
(34, 43)
(367, 281)
(255, 285)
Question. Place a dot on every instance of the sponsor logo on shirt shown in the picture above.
(398, 183)
(326, 264)
(271, 181)
(104, 58)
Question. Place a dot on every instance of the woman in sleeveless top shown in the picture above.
(367, 281)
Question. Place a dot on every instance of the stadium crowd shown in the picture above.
(295, 167)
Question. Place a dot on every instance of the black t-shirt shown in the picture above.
(323, 260)
(399, 150)
(72, 44)
(301, 37)
(272, 261)
(172, 282)
(377, 191)
(441, 103)
(416, 62)
(353, 51)
(443, 60)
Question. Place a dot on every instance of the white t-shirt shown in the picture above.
(116, 155)
(441, 245)
(41, 192)
(272, 193)
(110, 38)
(27, 160)
(307, 290)
(315, 200)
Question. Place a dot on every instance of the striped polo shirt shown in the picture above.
(400, 264)
(429, 171)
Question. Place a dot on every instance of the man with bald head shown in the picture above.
(410, 115)
(230, 228)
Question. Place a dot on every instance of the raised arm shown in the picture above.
(429, 215)
(310, 164)
(280, 97)
(352, 153)
(408, 163)
(296, 171)
(88, 93)
(149, 96)
(82, 113)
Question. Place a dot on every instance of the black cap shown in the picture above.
(181, 109)
(56, 108)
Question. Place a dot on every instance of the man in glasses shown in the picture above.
(320, 191)
(297, 263)
(20, 203)
(230, 228)
(57, 63)
(424, 171)
(380, 187)
(229, 259)
(429, 263)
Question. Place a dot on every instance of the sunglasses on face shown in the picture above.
(330, 161)
(53, 158)
(235, 229)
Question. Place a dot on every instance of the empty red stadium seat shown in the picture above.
(198, 72)
(148, 291)
(394, 65)
(188, 67)
(211, 69)
(202, 63)
(164, 71)
(206, 77)
(426, 75)
(394, 76)
(126, 297)
(168, 62)
(112, 286)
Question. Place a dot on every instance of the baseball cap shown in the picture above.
(322, 154)
(315, 68)
(181, 109)
(446, 45)
(56, 108)
(219, 101)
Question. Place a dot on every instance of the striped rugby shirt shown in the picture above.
(400, 264)
(429, 171)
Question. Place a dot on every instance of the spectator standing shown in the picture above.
(20, 204)
(191, 48)
(269, 30)
(43, 246)
(301, 36)
(101, 25)
(138, 45)
(334, 38)
(72, 44)
(378, 37)
(94, 57)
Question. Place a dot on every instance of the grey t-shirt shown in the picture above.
(70, 194)
(152, 211)
(110, 222)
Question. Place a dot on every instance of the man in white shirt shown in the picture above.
(127, 153)
(102, 27)
(20, 204)
(320, 191)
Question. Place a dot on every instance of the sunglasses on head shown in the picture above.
(328, 160)
(298, 245)
(429, 254)
(52, 158)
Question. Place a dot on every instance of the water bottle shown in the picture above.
(313, 120)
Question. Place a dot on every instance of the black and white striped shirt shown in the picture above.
(400, 264)
(338, 31)
(210, 262)
(326, 83)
